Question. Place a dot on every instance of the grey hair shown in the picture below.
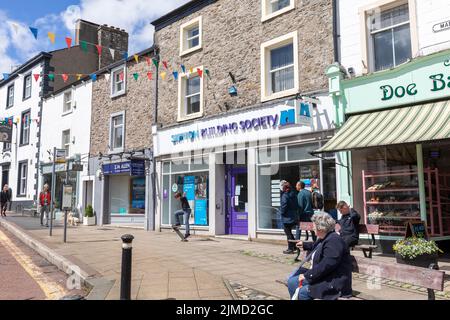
(323, 222)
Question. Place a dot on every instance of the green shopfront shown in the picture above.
(393, 144)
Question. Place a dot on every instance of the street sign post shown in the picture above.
(67, 205)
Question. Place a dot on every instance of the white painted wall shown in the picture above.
(54, 122)
(21, 153)
(428, 13)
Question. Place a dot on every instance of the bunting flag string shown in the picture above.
(10, 121)
(99, 49)
(69, 42)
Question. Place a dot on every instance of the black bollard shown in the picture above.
(125, 284)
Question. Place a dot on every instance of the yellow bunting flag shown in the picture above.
(136, 57)
(79, 76)
(51, 36)
(163, 75)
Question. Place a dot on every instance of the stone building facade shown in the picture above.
(232, 37)
(253, 80)
(121, 195)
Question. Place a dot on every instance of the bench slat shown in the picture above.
(423, 277)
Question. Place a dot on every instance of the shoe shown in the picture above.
(289, 251)
(187, 236)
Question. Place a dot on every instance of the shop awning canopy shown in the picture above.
(418, 123)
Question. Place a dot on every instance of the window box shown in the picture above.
(279, 67)
(118, 81)
(273, 8)
(191, 36)
(190, 96)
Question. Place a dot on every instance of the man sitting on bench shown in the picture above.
(348, 220)
(185, 211)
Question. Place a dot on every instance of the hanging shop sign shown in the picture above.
(134, 168)
(60, 156)
(5, 132)
(425, 79)
(442, 26)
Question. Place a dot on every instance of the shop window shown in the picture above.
(67, 103)
(6, 146)
(10, 97)
(22, 179)
(127, 195)
(191, 36)
(302, 152)
(25, 128)
(117, 132)
(279, 68)
(390, 37)
(190, 96)
(27, 83)
(273, 8)
(118, 81)
(272, 155)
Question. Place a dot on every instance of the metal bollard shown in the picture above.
(125, 283)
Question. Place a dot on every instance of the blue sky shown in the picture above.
(18, 45)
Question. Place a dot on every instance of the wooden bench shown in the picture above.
(430, 278)
(367, 249)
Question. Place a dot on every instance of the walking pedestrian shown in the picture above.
(5, 198)
(185, 212)
(306, 210)
(44, 202)
(289, 213)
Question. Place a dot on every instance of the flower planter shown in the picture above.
(89, 221)
(423, 261)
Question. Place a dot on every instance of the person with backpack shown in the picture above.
(289, 213)
(317, 198)
(44, 201)
(305, 205)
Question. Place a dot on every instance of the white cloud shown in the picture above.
(18, 45)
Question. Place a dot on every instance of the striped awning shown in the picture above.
(418, 123)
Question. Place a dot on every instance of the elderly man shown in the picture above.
(348, 220)
(330, 276)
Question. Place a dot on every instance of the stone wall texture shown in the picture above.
(232, 36)
(137, 104)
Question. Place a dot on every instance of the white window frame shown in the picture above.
(23, 178)
(267, 14)
(115, 93)
(25, 129)
(10, 97)
(266, 94)
(182, 96)
(66, 145)
(366, 38)
(184, 49)
(66, 102)
(25, 87)
(111, 132)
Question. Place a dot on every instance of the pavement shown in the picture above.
(203, 268)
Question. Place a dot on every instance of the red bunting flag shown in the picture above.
(99, 49)
(69, 42)
(200, 72)
(165, 65)
(36, 77)
(150, 75)
(149, 61)
(65, 77)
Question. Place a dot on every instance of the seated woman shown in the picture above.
(330, 276)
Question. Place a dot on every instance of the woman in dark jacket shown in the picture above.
(289, 213)
(330, 276)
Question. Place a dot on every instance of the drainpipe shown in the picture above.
(155, 123)
(336, 35)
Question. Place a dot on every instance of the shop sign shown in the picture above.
(5, 132)
(300, 116)
(442, 26)
(416, 229)
(174, 187)
(134, 168)
(77, 167)
(60, 156)
(137, 168)
(426, 79)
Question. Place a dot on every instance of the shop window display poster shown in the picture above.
(201, 212)
(189, 187)
(138, 194)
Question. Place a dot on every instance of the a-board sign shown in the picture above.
(416, 229)
(67, 197)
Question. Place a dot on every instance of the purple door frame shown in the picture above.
(235, 222)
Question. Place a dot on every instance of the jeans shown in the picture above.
(293, 285)
(288, 231)
(4, 208)
(44, 210)
(187, 215)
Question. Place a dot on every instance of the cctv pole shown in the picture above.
(52, 201)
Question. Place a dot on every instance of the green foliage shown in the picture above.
(89, 212)
(411, 248)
